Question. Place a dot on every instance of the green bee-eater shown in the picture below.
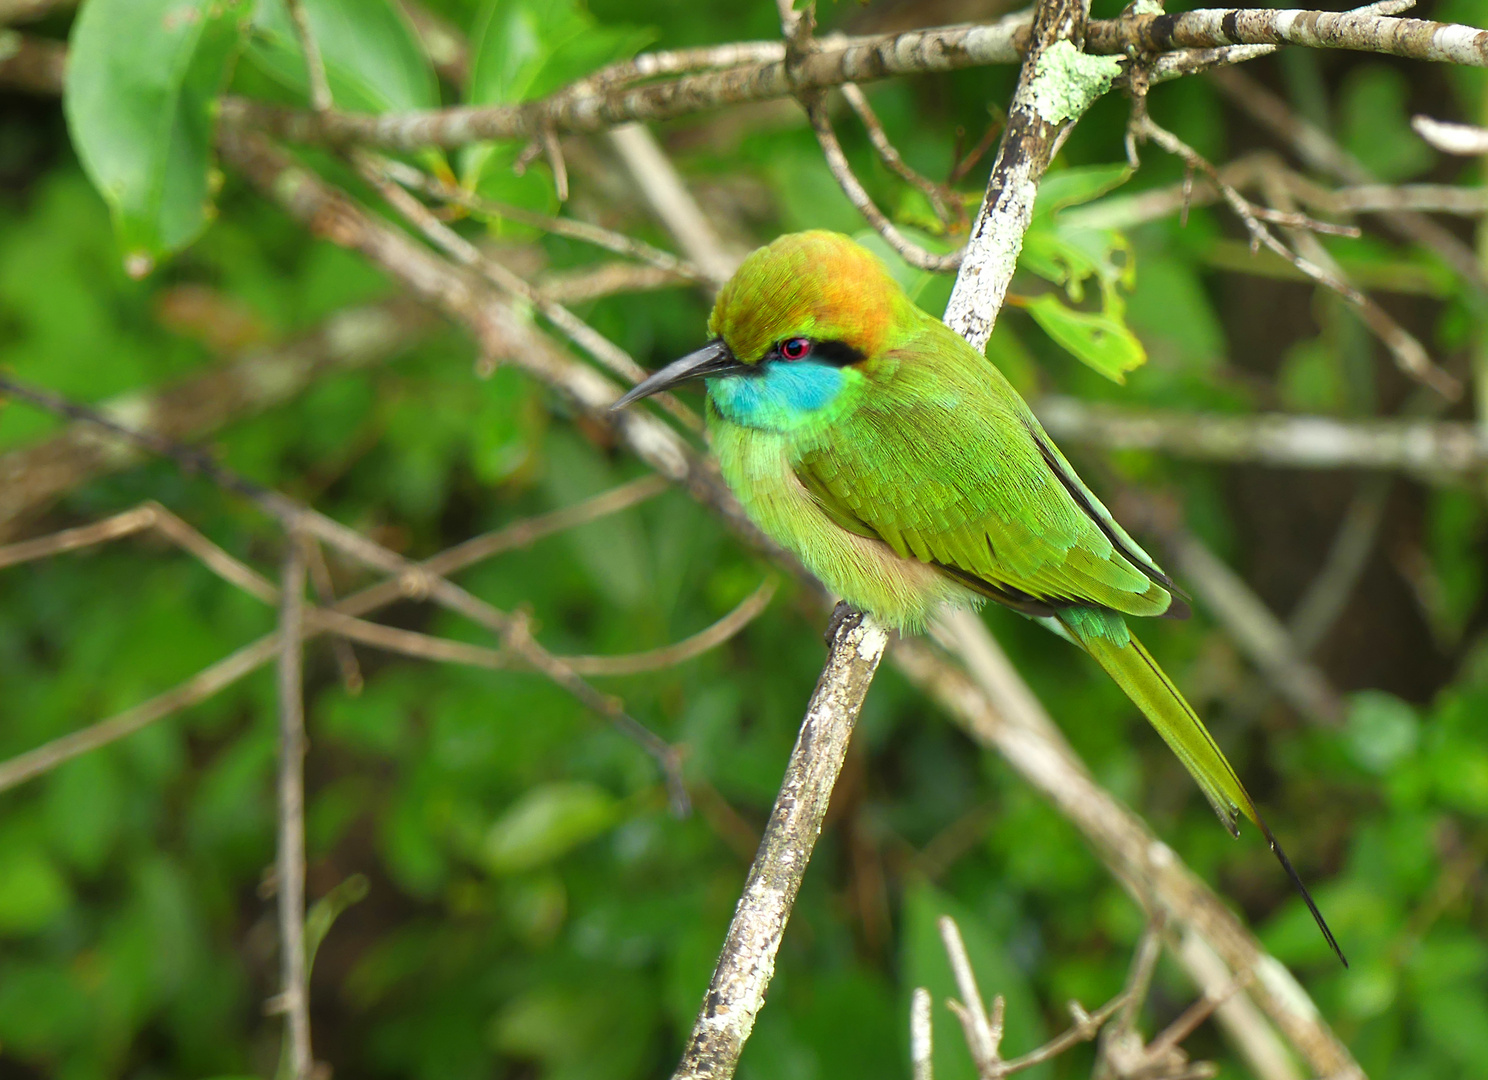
(905, 471)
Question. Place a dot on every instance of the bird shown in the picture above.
(906, 473)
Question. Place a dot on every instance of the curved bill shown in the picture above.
(712, 360)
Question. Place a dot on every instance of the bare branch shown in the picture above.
(1085, 1027)
(298, 519)
(1436, 451)
(713, 636)
(294, 993)
(856, 194)
(921, 1044)
(608, 239)
(1255, 1039)
(997, 708)
(1464, 140)
(244, 661)
(737, 989)
(467, 254)
(1029, 143)
(149, 515)
(944, 202)
(589, 106)
(32, 64)
(260, 379)
(1360, 31)
(1321, 152)
(604, 279)
(1330, 590)
(315, 69)
(1259, 633)
(201, 686)
(662, 187)
(1409, 353)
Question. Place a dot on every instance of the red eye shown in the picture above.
(795, 348)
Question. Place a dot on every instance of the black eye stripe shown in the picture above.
(837, 353)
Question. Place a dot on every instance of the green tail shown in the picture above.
(1105, 637)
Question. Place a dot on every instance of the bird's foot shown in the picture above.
(844, 618)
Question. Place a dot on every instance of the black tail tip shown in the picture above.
(1286, 864)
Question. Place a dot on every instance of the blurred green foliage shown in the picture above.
(531, 908)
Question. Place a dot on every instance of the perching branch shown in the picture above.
(737, 989)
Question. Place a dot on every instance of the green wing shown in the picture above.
(947, 465)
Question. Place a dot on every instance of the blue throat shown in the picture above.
(780, 396)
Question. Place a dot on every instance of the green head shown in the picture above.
(799, 332)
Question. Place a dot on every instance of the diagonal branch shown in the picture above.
(244, 661)
(737, 989)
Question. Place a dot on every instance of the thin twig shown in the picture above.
(294, 993)
(149, 515)
(1319, 151)
(688, 648)
(296, 518)
(1409, 354)
(1253, 626)
(737, 989)
(325, 594)
(1434, 450)
(1330, 590)
(217, 677)
(983, 1032)
(946, 206)
(1464, 140)
(609, 278)
(201, 686)
(1257, 1041)
(315, 69)
(599, 236)
(259, 379)
(1086, 1026)
(856, 194)
(673, 204)
(463, 251)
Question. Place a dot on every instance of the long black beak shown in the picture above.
(712, 359)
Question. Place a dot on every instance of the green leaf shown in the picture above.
(524, 49)
(141, 117)
(1382, 730)
(1071, 187)
(548, 822)
(372, 57)
(32, 890)
(1097, 338)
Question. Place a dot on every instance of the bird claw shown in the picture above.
(845, 617)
